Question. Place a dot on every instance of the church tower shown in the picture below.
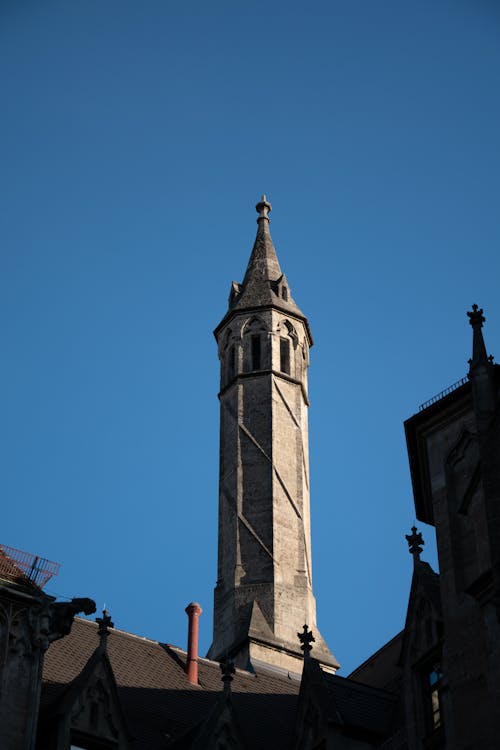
(264, 594)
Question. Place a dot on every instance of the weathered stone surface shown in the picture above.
(264, 513)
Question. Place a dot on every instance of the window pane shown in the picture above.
(285, 356)
(256, 352)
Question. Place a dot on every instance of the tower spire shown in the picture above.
(481, 372)
(479, 354)
(263, 265)
(264, 581)
(264, 283)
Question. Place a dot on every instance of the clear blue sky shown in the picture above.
(135, 139)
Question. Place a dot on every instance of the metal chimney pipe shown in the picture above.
(193, 612)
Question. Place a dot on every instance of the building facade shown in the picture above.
(270, 680)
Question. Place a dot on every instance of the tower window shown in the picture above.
(255, 344)
(231, 364)
(285, 355)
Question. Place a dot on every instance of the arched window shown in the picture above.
(228, 358)
(288, 347)
(285, 355)
(254, 345)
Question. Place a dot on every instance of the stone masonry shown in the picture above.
(264, 594)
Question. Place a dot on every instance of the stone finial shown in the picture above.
(306, 638)
(479, 354)
(415, 543)
(105, 623)
(263, 208)
(227, 669)
(476, 317)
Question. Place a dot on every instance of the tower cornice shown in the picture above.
(259, 373)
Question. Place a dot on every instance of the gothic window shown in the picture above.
(289, 350)
(231, 364)
(285, 355)
(434, 678)
(255, 348)
(431, 679)
(256, 351)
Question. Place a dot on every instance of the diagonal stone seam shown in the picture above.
(232, 503)
(285, 490)
(249, 435)
(255, 442)
(309, 576)
(287, 405)
(289, 409)
(252, 531)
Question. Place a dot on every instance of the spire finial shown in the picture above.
(479, 354)
(306, 638)
(476, 317)
(105, 623)
(263, 208)
(228, 670)
(415, 543)
(481, 372)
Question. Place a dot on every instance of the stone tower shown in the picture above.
(264, 594)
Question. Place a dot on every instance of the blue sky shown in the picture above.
(135, 140)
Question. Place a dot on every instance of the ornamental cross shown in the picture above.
(228, 670)
(415, 543)
(476, 317)
(105, 623)
(306, 638)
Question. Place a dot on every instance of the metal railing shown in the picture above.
(19, 566)
(444, 393)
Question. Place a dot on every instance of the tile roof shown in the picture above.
(158, 701)
(361, 706)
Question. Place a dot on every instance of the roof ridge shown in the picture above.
(122, 632)
(206, 660)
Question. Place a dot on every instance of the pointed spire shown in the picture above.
(105, 623)
(263, 264)
(264, 280)
(415, 543)
(479, 354)
(306, 638)
(481, 372)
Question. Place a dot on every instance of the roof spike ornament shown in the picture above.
(227, 669)
(479, 354)
(481, 372)
(306, 638)
(263, 208)
(415, 543)
(105, 623)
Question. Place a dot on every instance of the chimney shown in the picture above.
(193, 612)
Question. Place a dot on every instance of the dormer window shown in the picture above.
(284, 293)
